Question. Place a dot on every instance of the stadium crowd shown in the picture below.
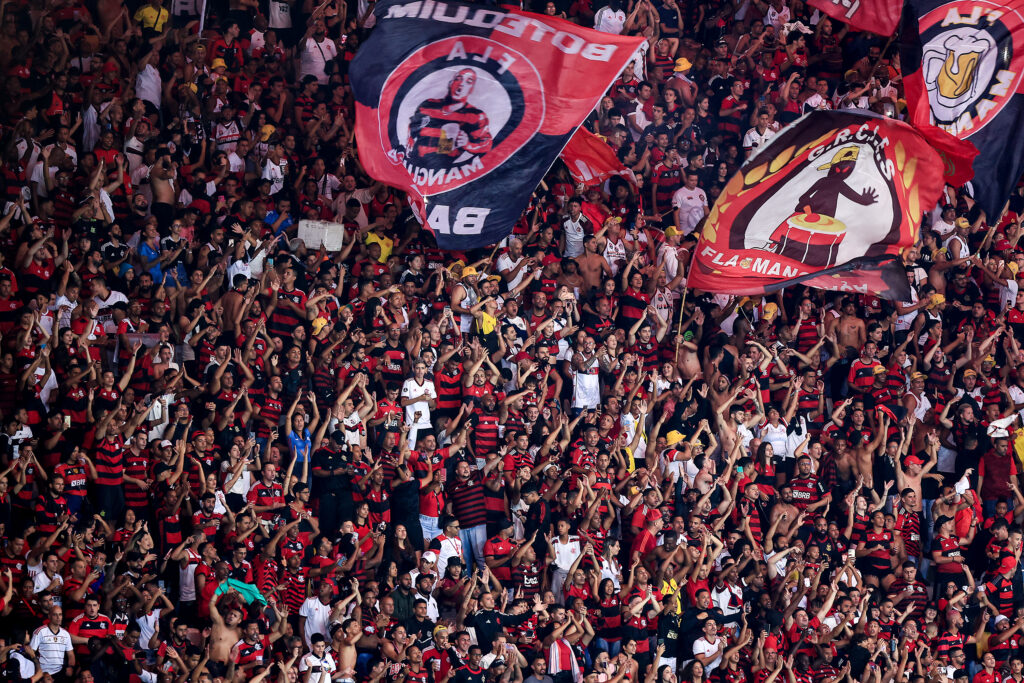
(227, 455)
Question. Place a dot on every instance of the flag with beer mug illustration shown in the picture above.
(831, 201)
(963, 65)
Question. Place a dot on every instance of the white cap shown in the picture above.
(430, 556)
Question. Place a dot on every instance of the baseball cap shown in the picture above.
(962, 223)
(771, 311)
(918, 375)
(1008, 564)
(430, 556)
(673, 437)
(549, 259)
(913, 460)
(970, 373)
(1002, 245)
(671, 231)
(165, 444)
(318, 325)
(879, 370)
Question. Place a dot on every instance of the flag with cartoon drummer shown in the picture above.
(963, 65)
(829, 202)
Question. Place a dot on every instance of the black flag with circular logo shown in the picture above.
(963, 66)
(466, 107)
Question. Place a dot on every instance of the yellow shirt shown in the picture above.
(152, 17)
(386, 245)
(487, 323)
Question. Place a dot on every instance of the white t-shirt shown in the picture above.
(753, 139)
(146, 627)
(42, 582)
(275, 174)
(613, 253)
(317, 615)
(566, 553)
(609, 20)
(279, 14)
(114, 297)
(148, 85)
(586, 385)
(691, 205)
(316, 665)
(315, 57)
(702, 647)
(411, 389)
(50, 648)
(505, 262)
(574, 231)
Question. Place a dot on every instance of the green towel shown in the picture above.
(248, 591)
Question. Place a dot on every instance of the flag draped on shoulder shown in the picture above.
(963, 65)
(466, 107)
(592, 162)
(829, 202)
(877, 16)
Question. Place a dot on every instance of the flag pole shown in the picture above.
(682, 309)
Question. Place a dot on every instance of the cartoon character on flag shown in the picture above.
(449, 130)
(813, 234)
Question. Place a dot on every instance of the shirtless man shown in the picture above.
(950, 502)
(785, 511)
(593, 267)
(910, 472)
(348, 655)
(850, 331)
(161, 181)
(738, 424)
(226, 632)
(844, 458)
(688, 354)
(233, 301)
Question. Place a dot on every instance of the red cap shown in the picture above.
(1002, 245)
(1008, 564)
(913, 460)
(549, 259)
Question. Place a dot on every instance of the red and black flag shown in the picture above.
(877, 16)
(592, 162)
(963, 66)
(466, 107)
(829, 202)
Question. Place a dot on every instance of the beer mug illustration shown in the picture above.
(446, 143)
(952, 69)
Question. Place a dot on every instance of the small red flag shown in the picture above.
(877, 16)
(591, 161)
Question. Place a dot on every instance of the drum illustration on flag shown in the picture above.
(810, 238)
